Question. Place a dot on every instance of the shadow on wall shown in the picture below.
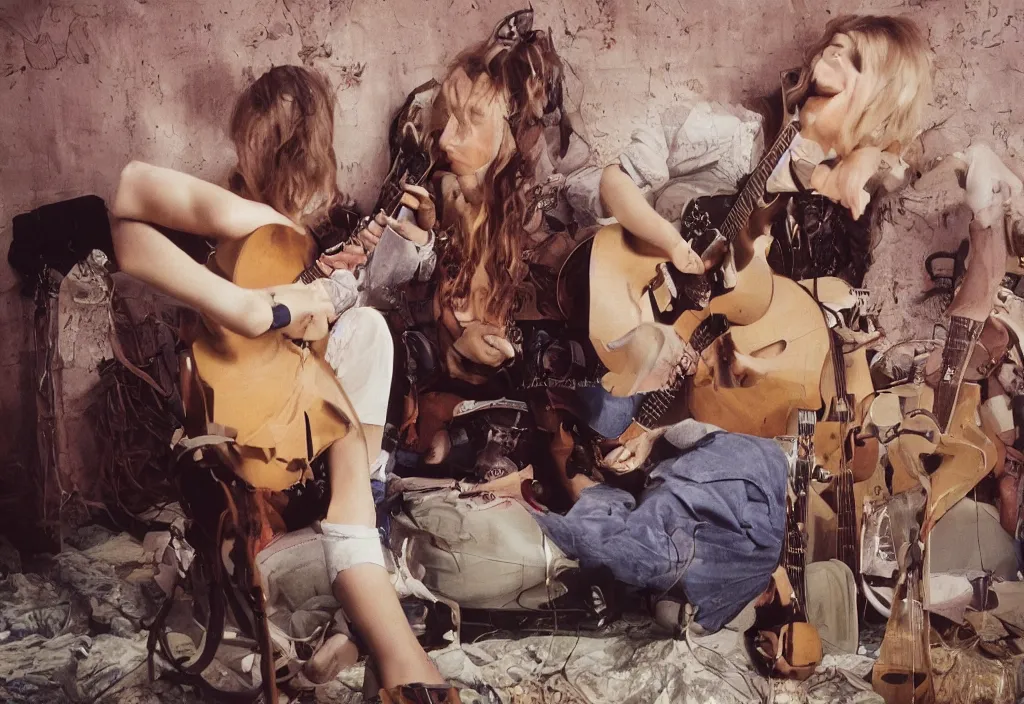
(209, 94)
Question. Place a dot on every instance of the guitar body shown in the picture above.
(254, 383)
(273, 256)
(830, 440)
(964, 454)
(621, 268)
(753, 377)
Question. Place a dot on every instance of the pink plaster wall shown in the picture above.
(85, 86)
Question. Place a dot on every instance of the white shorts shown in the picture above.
(361, 352)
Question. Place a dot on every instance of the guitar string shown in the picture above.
(738, 215)
(748, 197)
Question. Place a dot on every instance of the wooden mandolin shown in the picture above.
(902, 674)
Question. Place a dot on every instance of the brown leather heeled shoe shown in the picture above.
(420, 694)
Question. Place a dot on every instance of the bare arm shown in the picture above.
(178, 201)
(149, 194)
(977, 293)
(624, 201)
(145, 253)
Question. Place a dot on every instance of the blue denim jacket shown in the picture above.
(710, 524)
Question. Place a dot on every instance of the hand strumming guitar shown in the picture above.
(685, 259)
(310, 309)
(631, 456)
(623, 200)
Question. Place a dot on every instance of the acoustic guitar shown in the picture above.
(632, 282)
(763, 342)
(252, 380)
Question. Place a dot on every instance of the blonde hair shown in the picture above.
(283, 129)
(886, 111)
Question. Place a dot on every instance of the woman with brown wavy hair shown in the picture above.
(283, 131)
(509, 156)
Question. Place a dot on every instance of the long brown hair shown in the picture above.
(886, 112)
(283, 129)
(527, 75)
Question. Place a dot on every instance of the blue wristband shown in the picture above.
(282, 316)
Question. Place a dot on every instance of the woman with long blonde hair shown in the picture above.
(282, 127)
(860, 96)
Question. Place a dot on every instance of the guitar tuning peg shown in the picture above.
(820, 474)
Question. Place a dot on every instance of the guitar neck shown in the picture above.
(314, 272)
(963, 333)
(796, 534)
(846, 505)
(753, 190)
(794, 554)
(846, 538)
(657, 403)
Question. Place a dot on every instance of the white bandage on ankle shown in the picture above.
(349, 545)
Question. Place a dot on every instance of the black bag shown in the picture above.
(58, 236)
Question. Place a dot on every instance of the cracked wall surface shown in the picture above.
(86, 86)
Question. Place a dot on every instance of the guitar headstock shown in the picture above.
(789, 79)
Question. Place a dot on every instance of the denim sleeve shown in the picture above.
(599, 514)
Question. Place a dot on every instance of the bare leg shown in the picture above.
(365, 591)
(374, 435)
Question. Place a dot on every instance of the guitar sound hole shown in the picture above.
(931, 463)
(769, 351)
(898, 679)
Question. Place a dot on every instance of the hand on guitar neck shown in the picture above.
(414, 220)
(633, 453)
(417, 216)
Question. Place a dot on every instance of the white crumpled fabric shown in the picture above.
(631, 666)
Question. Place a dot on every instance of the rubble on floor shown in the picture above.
(71, 631)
